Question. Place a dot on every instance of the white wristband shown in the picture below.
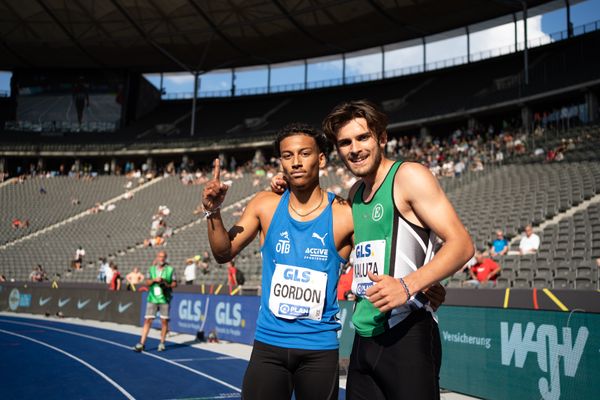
(207, 213)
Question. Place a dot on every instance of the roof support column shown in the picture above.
(468, 44)
(193, 124)
(232, 82)
(305, 74)
(569, 23)
(424, 53)
(382, 62)
(525, 52)
(516, 38)
(343, 68)
(269, 78)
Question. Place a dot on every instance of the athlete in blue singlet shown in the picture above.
(296, 347)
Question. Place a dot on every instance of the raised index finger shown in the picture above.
(217, 170)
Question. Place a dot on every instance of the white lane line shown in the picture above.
(203, 359)
(103, 375)
(210, 377)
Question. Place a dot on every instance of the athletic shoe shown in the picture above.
(139, 348)
(161, 347)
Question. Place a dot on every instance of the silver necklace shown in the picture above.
(308, 213)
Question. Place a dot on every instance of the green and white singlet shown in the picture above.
(385, 243)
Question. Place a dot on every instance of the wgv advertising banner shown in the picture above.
(232, 318)
(520, 354)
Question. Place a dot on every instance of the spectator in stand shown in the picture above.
(189, 273)
(109, 274)
(349, 296)
(115, 281)
(530, 243)
(231, 275)
(79, 254)
(134, 278)
(17, 223)
(499, 245)
(2, 278)
(38, 274)
(345, 281)
(75, 265)
(203, 262)
(154, 242)
(103, 270)
(484, 271)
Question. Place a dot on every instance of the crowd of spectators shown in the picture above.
(486, 265)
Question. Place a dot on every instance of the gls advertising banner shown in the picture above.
(519, 354)
(233, 318)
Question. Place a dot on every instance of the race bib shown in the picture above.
(369, 256)
(157, 290)
(297, 292)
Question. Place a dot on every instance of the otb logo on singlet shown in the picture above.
(283, 244)
(377, 212)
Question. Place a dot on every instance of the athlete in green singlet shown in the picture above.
(398, 211)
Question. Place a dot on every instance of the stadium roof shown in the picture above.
(202, 35)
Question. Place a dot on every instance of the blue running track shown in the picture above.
(45, 359)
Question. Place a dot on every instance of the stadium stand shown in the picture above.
(527, 186)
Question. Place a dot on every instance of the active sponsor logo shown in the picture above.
(102, 306)
(13, 299)
(312, 253)
(321, 238)
(377, 212)
(82, 304)
(283, 245)
(293, 310)
(63, 302)
(545, 345)
(44, 301)
(463, 338)
(122, 307)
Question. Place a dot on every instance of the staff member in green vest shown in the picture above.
(161, 280)
(398, 210)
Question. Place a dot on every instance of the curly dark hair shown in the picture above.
(346, 112)
(300, 128)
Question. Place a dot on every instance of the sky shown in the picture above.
(491, 42)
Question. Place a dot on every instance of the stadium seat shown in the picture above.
(508, 273)
(503, 283)
(584, 284)
(562, 283)
(540, 283)
(584, 272)
(564, 272)
(544, 273)
(525, 273)
(521, 283)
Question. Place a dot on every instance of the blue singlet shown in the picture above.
(298, 257)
